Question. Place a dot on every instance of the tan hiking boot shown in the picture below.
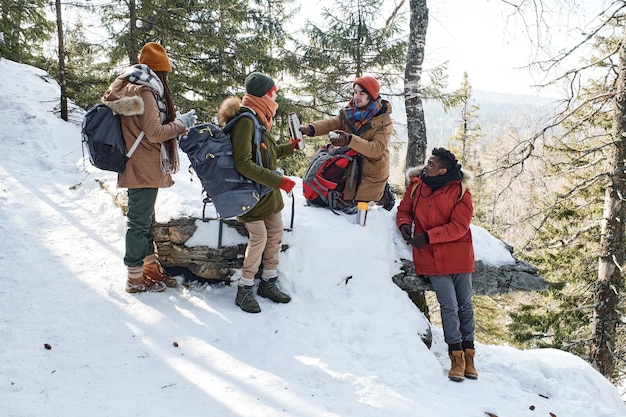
(144, 284)
(470, 370)
(156, 273)
(457, 366)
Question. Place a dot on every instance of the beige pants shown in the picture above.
(264, 241)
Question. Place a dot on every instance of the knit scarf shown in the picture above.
(262, 106)
(434, 183)
(360, 117)
(141, 74)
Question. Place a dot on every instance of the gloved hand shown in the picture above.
(405, 230)
(419, 241)
(343, 139)
(189, 119)
(294, 143)
(287, 184)
(306, 130)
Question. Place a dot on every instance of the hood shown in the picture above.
(388, 105)
(415, 172)
(124, 97)
(228, 109)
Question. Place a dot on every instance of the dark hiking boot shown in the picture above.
(245, 299)
(269, 289)
(457, 366)
(388, 201)
(470, 370)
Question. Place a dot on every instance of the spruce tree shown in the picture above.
(354, 38)
(24, 29)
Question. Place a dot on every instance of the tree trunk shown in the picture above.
(610, 280)
(132, 42)
(415, 123)
(416, 126)
(62, 75)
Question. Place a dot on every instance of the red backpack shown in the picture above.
(329, 172)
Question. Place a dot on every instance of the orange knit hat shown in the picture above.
(154, 55)
(369, 84)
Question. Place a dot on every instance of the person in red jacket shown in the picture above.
(434, 216)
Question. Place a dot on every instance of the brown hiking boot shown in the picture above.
(470, 370)
(457, 366)
(144, 284)
(156, 273)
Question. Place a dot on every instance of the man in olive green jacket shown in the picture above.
(264, 222)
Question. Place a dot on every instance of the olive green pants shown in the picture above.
(140, 220)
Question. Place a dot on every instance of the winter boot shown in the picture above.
(269, 289)
(470, 370)
(144, 284)
(245, 299)
(156, 273)
(457, 366)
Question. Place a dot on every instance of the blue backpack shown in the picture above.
(210, 152)
(102, 135)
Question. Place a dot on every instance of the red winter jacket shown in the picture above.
(445, 219)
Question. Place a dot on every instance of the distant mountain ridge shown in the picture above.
(498, 115)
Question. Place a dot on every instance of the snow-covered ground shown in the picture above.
(342, 347)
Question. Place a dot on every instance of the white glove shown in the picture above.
(189, 119)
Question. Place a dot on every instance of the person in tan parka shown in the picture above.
(364, 125)
(142, 97)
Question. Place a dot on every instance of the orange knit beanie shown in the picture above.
(369, 84)
(154, 55)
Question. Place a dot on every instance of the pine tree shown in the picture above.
(575, 235)
(213, 44)
(23, 30)
(355, 39)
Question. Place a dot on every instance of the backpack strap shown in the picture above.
(463, 189)
(257, 138)
(135, 145)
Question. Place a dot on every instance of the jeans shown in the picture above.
(454, 293)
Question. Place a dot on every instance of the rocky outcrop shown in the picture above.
(486, 279)
(220, 263)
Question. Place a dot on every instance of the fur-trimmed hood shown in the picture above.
(124, 97)
(228, 109)
(416, 171)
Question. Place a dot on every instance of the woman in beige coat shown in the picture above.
(142, 97)
(364, 125)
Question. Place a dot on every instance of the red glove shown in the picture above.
(294, 143)
(287, 184)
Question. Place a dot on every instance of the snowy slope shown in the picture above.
(340, 348)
